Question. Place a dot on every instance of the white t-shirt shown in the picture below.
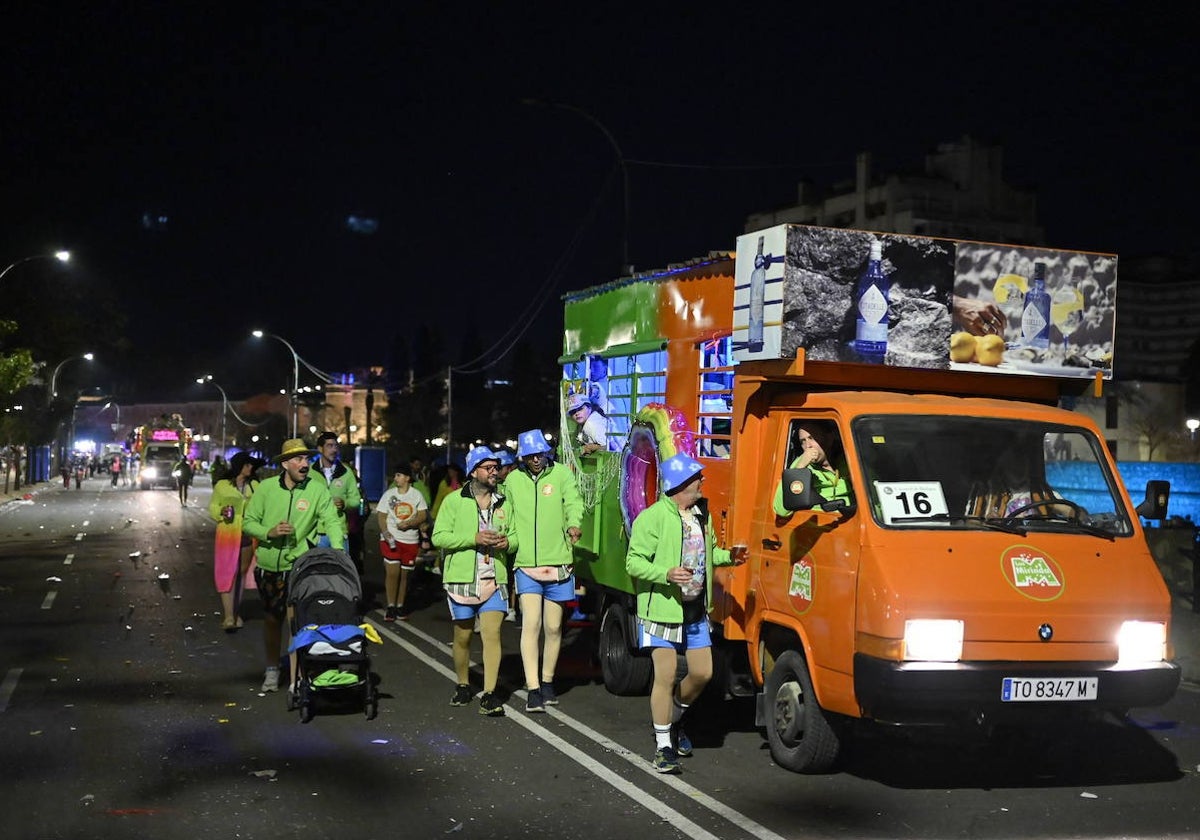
(401, 506)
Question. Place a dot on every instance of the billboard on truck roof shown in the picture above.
(923, 302)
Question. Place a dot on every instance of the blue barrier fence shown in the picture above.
(1081, 478)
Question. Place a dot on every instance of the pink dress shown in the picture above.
(227, 546)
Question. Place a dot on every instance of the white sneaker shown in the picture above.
(271, 680)
(511, 616)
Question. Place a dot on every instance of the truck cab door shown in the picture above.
(807, 560)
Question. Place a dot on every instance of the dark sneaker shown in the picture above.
(666, 760)
(535, 702)
(403, 613)
(683, 744)
(548, 695)
(462, 695)
(490, 706)
(391, 613)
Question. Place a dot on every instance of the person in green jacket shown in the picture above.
(343, 489)
(285, 515)
(548, 511)
(672, 552)
(474, 527)
(828, 479)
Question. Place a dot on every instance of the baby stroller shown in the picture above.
(324, 593)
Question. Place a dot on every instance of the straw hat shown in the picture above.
(292, 448)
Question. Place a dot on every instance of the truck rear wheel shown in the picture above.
(626, 672)
(800, 736)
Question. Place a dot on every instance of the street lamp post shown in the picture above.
(61, 256)
(54, 376)
(53, 392)
(224, 406)
(295, 376)
(612, 141)
(117, 425)
(1192, 425)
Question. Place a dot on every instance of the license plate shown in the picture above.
(1026, 690)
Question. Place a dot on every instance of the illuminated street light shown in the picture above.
(1192, 425)
(61, 256)
(295, 374)
(116, 425)
(207, 378)
(59, 366)
(296, 362)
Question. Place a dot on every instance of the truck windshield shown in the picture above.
(987, 473)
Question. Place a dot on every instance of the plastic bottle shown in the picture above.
(1035, 317)
(758, 293)
(871, 325)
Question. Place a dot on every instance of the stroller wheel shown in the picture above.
(306, 711)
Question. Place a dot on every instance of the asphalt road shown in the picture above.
(125, 711)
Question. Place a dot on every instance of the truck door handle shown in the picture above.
(772, 545)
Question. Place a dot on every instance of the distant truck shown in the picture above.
(160, 446)
(988, 566)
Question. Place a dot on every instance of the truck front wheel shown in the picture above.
(800, 736)
(626, 672)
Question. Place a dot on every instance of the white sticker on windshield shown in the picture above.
(902, 502)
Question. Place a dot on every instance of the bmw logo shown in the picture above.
(1045, 632)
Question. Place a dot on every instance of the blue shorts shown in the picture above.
(551, 590)
(465, 612)
(695, 636)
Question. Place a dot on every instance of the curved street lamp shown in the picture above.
(59, 366)
(61, 256)
(296, 362)
(207, 379)
(295, 375)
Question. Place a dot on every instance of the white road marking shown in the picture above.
(69, 560)
(49, 602)
(655, 805)
(79, 536)
(9, 686)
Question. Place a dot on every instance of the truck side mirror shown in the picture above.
(1154, 506)
(798, 493)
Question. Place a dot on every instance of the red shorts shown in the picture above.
(404, 553)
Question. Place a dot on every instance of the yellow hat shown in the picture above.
(292, 448)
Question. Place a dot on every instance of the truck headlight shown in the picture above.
(149, 472)
(933, 640)
(1141, 641)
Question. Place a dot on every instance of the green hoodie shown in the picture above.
(544, 508)
(307, 506)
(656, 547)
(455, 529)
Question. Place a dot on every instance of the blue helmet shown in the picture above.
(677, 471)
(532, 443)
(505, 457)
(477, 456)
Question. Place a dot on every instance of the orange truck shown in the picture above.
(976, 559)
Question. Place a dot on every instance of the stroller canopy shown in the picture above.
(324, 570)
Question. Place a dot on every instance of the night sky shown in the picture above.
(201, 160)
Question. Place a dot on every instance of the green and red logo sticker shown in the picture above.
(800, 586)
(1032, 572)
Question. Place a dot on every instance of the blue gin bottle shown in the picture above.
(871, 325)
(1035, 317)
